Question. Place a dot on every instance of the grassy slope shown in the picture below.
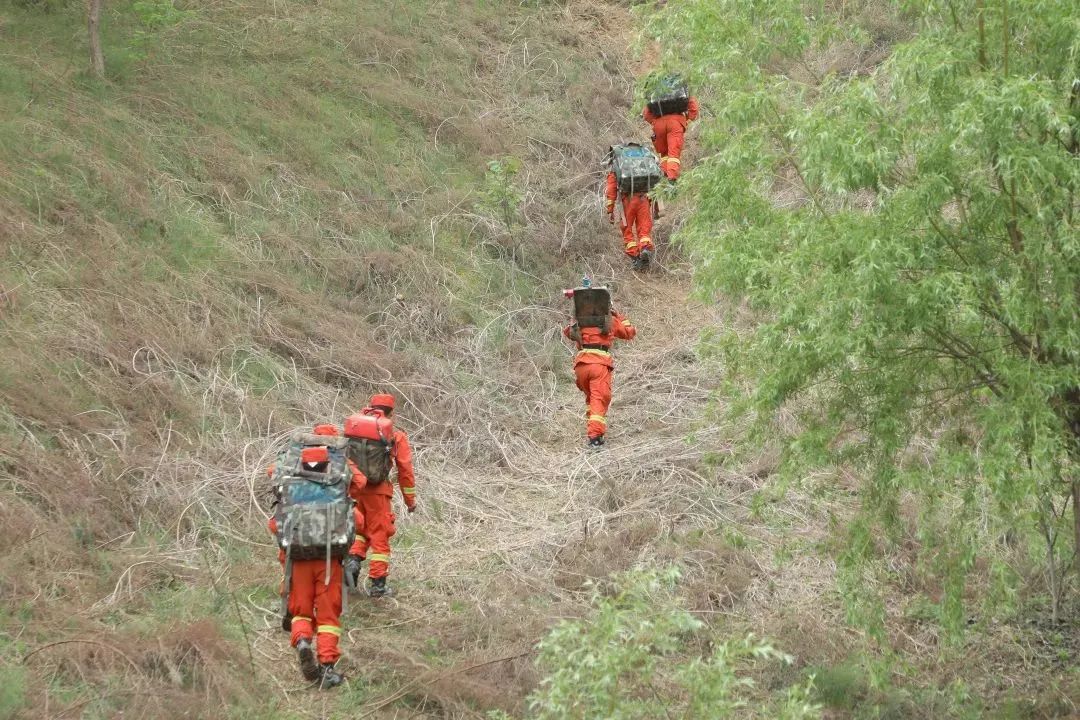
(270, 209)
(265, 212)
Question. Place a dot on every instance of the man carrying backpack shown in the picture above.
(315, 525)
(637, 221)
(668, 131)
(375, 498)
(593, 367)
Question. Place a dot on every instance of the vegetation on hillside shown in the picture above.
(256, 213)
(892, 187)
(260, 214)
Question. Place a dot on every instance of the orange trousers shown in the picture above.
(378, 529)
(594, 379)
(315, 606)
(668, 141)
(637, 223)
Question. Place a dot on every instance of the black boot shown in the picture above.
(308, 666)
(597, 441)
(646, 259)
(378, 588)
(329, 677)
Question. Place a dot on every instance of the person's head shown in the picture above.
(315, 459)
(383, 402)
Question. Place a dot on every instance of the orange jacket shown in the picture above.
(406, 479)
(683, 118)
(611, 192)
(620, 329)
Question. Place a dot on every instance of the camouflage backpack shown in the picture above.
(370, 436)
(314, 511)
(669, 96)
(636, 168)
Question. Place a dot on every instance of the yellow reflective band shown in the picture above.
(329, 630)
(677, 161)
(408, 491)
(598, 418)
(361, 538)
(664, 159)
(646, 239)
(378, 557)
(631, 244)
(604, 353)
(301, 617)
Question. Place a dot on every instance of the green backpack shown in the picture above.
(669, 96)
(636, 168)
(314, 510)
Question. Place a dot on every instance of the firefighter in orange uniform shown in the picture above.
(668, 132)
(375, 502)
(637, 221)
(314, 605)
(593, 367)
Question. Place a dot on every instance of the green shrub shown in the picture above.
(632, 658)
(12, 690)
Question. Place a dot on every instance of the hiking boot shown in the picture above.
(635, 262)
(597, 441)
(329, 677)
(286, 622)
(646, 258)
(378, 588)
(308, 666)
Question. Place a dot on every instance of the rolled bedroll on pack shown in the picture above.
(592, 308)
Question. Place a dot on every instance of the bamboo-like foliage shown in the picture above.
(894, 187)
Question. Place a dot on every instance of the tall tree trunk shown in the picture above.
(93, 24)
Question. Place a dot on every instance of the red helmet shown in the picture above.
(314, 455)
(327, 429)
(382, 400)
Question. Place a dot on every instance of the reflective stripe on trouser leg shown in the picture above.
(301, 629)
(595, 380)
(379, 528)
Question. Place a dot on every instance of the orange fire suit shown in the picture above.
(637, 217)
(668, 132)
(593, 367)
(315, 603)
(374, 501)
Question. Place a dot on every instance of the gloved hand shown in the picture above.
(352, 570)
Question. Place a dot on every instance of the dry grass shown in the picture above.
(156, 391)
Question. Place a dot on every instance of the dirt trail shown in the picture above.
(499, 551)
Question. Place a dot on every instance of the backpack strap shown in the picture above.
(286, 585)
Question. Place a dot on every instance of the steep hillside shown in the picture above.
(264, 212)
